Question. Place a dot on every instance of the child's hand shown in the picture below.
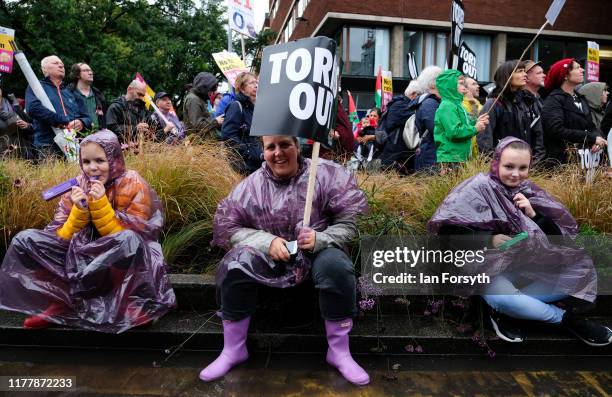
(499, 239)
(78, 197)
(97, 190)
(523, 203)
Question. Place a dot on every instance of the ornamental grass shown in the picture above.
(192, 179)
(189, 180)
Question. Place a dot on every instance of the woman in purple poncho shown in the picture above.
(255, 222)
(98, 264)
(529, 276)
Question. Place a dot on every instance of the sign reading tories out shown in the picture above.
(457, 19)
(297, 89)
(467, 61)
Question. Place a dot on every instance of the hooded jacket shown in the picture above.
(453, 129)
(67, 105)
(103, 263)
(123, 116)
(565, 123)
(592, 92)
(196, 116)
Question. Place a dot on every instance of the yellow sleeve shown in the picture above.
(103, 216)
(77, 220)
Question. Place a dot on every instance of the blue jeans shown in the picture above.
(529, 303)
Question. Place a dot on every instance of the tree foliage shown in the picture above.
(167, 41)
(254, 47)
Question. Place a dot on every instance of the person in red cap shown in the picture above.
(566, 115)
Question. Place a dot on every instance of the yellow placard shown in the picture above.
(593, 55)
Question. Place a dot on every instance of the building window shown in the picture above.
(435, 49)
(481, 45)
(274, 9)
(301, 6)
(515, 47)
(550, 51)
(547, 51)
(365, 49)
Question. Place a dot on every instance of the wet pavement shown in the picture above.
(106, 372)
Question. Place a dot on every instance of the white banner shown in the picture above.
(241, 16)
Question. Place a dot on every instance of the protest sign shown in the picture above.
(230, 64)
(387, 89)
(413, 72)
(551, 16)
(297, 89)
(241, 17)
(457, 18)
(554, 10)
(6, 52)
(467, 61)
(592, 65)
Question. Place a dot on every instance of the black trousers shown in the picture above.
(332, 273)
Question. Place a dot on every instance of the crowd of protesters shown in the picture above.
(554, 112)
(98, 264)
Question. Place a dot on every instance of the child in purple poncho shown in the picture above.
(528, 278)
(98, 264)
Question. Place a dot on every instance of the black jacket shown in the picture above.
(606, 122)
(517, 115)
(235, 132)
(565, 123)
(123, 116)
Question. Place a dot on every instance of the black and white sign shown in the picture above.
(467, 61)
(457, 18)
(297, 89)
(412, 67)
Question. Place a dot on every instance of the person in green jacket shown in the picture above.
(454, 130)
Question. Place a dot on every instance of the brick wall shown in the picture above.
(585, 16)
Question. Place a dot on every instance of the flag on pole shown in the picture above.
(352, 113)
(554, 10)
(412, 67)
(378, 95)
(149, 90)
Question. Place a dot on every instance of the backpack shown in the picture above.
(411, 135)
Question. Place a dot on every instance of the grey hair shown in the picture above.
(45, 61)
(136, 84)
(427, 78)
(413, 88)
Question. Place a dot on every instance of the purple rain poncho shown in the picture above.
(483, 203)
(262, 202)
(41, 268)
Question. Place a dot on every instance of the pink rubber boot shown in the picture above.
(339, 354)
(234, 350)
